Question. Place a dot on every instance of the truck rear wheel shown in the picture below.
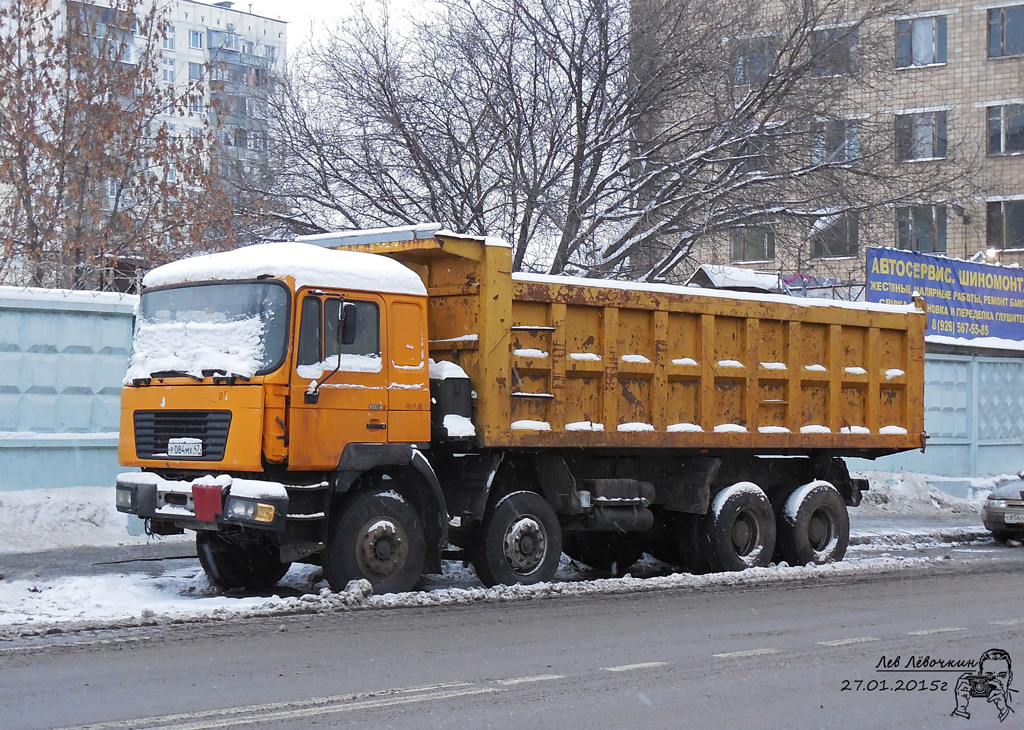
(614, 552)
(813, 526)
(377, 536)
(737, 534)
(520, 542)
(232, 567)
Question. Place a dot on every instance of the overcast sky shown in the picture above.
(301, 15)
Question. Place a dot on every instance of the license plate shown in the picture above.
(1013, 519)
(183, 447)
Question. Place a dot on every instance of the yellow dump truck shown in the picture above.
(374, 401)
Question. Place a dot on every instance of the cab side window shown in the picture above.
(367, 340)
(318, 330)
(309, 332)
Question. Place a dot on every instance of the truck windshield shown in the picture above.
(237, 329)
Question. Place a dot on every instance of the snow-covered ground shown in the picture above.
(32, 521)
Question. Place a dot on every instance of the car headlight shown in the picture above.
(249, 510)
(996, 503)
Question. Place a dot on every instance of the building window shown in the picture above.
(169, 38)
(1005, 224)
(921, 228)
(255, 108)
(834, 236)
(1006, 32)
(835, 141)
(1006, 129)
(195, 71)
(921, 136)
(754, 59)
(752, 243)
(169, 69)
(835, 51)
(921, 42)
(195, 39)
(196, 106)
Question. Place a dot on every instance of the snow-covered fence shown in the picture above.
(974, 416)
(62, 358)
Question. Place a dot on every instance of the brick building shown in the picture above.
(955, 97)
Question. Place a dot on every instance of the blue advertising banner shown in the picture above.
(964, 299)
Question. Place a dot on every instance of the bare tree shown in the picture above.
(92, 171)
(600, 136)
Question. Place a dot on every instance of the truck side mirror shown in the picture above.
(347, 328)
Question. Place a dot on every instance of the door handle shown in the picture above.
(377, 426)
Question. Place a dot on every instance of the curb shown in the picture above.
(911, 537)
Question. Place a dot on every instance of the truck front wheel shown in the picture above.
(813, 526)
(233, 567)
(377, 536)
(520, 542)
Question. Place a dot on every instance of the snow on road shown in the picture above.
(50, 519)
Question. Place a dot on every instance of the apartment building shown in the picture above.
(233, 53)
(954, 99)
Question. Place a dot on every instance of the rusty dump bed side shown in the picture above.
(573, 363)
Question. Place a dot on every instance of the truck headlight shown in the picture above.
(249, 510)
(123, 498)
(996, 503)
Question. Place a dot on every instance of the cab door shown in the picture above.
(351, 404)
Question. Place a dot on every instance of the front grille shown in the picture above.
(153, 429)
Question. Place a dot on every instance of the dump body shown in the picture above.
(559, 362)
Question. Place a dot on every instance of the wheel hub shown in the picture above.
(820, 530)
(381, 548)
(524, 545)
(744, 535)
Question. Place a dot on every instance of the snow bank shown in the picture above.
(909, 493)
(51, 519)
(30, 607)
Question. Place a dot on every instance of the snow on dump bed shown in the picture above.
(309, 265)
(716, 293)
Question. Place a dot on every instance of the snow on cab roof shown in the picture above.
(308, 264)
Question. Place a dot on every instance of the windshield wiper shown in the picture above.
(222, 374)
(174, 374)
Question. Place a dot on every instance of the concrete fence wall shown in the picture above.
(62, 357)
(974, 416)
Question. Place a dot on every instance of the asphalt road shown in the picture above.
(770, 657)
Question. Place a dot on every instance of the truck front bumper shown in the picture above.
(204, 503)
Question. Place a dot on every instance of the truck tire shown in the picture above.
(813, 526)
(738, 533)
(520, 542)
(377, 536)
(613, 552)
(233, 568)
